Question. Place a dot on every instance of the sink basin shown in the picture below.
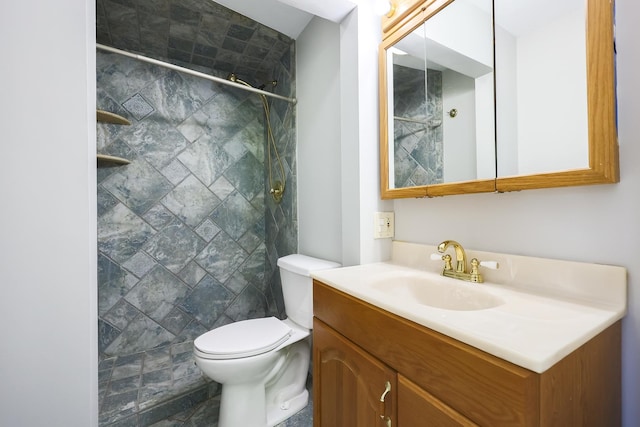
(449, 295)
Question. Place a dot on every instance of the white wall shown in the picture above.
(336, 135)
(599, 224)
(48, 308)
(360, 35)
(318, 146)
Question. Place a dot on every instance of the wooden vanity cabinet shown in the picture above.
(441, 382)
(419, 408)
(353, 383)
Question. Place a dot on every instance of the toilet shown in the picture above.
(262, 364)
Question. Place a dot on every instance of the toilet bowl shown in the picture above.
(262, 364)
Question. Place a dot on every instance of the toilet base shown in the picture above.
(265, 397)
(234, 407)
(277, 414)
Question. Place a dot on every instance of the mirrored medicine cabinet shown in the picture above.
(496, 95)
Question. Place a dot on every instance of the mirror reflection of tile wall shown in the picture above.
(418, 151)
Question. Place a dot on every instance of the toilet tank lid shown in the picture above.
(304, 265)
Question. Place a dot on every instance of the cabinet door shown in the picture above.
(348, 383)
(418, 408)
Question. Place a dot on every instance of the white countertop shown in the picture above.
(535, 327)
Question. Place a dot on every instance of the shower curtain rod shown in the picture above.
(193, 73)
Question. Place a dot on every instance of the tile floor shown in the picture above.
(164, 388)
(206, 414)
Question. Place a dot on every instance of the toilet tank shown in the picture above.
(297, 285)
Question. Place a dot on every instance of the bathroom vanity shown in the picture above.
(383, 360)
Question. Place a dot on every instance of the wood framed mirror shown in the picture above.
(476, 124)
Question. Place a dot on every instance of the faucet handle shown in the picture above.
(475, 275)
(443, 257)
(493, 265)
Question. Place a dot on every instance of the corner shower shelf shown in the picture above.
(105, 160)
(109, 117)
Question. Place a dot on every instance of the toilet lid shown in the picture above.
(243, 339)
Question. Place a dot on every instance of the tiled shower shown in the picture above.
(188, 236)
(418, 134)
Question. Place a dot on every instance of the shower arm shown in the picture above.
(193, 73)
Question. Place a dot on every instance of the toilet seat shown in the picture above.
(243, 339)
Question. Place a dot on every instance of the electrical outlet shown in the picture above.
(383, 225)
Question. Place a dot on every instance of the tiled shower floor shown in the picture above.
(163, 388)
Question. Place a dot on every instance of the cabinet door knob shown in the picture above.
(383, 409)
(387, 389)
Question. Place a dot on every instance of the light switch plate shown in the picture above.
(383, 225)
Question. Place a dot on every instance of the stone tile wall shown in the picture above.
(187, 240)
(198, 32)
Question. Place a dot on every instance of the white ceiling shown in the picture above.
(290, 17)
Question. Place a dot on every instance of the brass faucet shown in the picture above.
(460, 271)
